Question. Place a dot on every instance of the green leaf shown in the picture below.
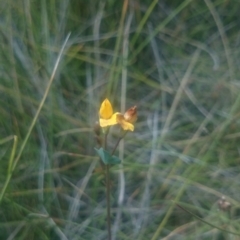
(115, 160)
(106, 157)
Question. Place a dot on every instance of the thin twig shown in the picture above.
(206, 222)
(108, 203)
(120, 138)
(107, 177)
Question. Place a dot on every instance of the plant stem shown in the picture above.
(108, 203)
(10, 170)
(108, 193)
(120, 138)
(107, 175)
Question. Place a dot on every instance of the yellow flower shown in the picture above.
(126, 121)
(106, 116)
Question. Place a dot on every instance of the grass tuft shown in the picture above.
(177, 62)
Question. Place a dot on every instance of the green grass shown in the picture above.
(178, 62)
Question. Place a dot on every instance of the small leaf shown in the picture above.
(114, 160)
(106, 157)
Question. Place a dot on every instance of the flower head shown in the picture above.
(106, 116)
(126, 121)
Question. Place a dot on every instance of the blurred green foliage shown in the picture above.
(177, 61)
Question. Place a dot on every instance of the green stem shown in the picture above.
(107, 175)
(114, 149)
(10, 168)
(108, 203)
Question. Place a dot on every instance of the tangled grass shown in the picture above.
(177, 62)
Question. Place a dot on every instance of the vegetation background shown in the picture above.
(177, 61)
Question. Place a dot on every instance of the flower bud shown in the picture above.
(131, 115)
(223, 204)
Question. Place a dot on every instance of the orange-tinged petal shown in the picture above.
(124, 124)
(109, 122)
(106, 110)
(131, 115)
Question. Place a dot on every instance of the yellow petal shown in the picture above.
(127, 126)
(106, 110)
(109, 122)
(124, 124)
